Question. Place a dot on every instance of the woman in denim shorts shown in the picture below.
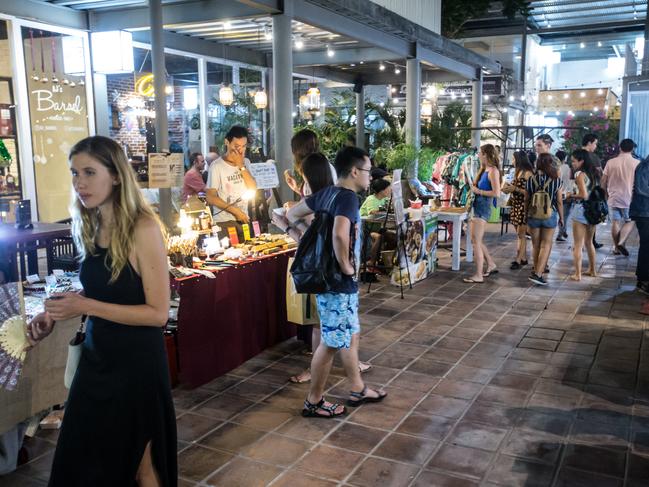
(542, 230)
(582, 231)
(485, 191)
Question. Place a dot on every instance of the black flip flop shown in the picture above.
(487, 274)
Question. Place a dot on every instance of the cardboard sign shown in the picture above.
(265, 174)
(166, 170)
(255, 228)
(246, 232)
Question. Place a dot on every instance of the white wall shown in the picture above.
(427, 13)
(589, 73)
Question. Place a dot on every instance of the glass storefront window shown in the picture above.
(10, 180)
(55, 66)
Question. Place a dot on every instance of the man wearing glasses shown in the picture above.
(229, 181)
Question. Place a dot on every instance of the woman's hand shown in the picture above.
(63, 306)
(39, 327)
(475, 190)
(280, 221)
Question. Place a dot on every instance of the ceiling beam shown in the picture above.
(447, 64)
(344, 56)
(369, 14)
(179, 13)
(589, 27)
(326, 73)
(206, 48)
(334, 22)
(45, 12)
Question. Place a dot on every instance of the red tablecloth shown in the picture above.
(225, 321)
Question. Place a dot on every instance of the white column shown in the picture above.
(283, 97)
(413, 99)
(360, 118)
(159, 82)
(203, 105)
(476, 110)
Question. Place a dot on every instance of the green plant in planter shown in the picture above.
(427, 159)
(402, 156)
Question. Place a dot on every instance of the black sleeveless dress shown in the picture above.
(120, 397)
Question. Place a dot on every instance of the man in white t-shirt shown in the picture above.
(229, 182)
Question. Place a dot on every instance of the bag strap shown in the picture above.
(331, 201)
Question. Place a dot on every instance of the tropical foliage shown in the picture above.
(607, 132)
(455, 13)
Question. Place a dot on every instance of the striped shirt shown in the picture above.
(536, 183)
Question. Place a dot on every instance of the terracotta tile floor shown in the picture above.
(495, 384)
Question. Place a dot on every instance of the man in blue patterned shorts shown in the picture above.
(338, 309)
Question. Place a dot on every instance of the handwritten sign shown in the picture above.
(166, 170)
(265, 174)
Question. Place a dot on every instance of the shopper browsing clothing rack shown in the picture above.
(485, 190)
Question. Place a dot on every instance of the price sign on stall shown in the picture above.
(265, 174)
(166, 170)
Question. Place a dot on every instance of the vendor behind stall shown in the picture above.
(375, 203)
(193, 180)
(229, 182)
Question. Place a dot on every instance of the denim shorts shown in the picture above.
(578, 214)
(338, 318)
(482, 206)
(547, 223)
(620, 214)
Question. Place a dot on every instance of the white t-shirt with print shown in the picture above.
(229, 185)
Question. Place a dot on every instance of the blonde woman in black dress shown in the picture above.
(119, 427)
(517, 213)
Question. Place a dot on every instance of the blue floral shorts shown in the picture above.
(338, 318)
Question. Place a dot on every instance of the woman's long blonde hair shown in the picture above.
(128, 205)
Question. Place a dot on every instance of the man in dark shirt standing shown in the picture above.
(338, 308)
(589, 144)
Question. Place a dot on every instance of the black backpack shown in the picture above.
(315, 269)
(595, 207)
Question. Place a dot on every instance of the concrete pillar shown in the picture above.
(283, 97)
(645, 56)
(159, 82)
(476, 110)
(203, 105)
(102, 105)
(523, 56)
(413, 98)
(360, 118)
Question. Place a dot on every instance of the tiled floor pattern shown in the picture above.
(495, 384)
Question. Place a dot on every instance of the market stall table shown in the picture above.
(20, 245)
(223, 322)
(457, 219)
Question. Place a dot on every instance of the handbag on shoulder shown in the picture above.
(74, 354)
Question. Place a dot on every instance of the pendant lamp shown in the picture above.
(226, 95)
(261, 99)
(426, 108)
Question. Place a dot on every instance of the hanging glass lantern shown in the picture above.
(226, 96)
(261, 100)
(313, 98)
(426, 108)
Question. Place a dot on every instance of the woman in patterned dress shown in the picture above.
(517, 215)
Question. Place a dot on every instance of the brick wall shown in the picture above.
(129, 132)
